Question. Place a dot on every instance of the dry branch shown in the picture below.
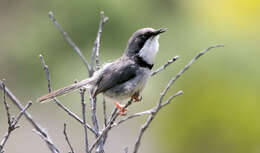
(48, 142)
(70, 113)
(165, 65)
(67, 138)
(6, 105)
(69, 40)
(153, 113)
(104, 112)
(114, 115)
(37, 127)
(83, 105)
(95, 50)
(162, 95)
(13, 125)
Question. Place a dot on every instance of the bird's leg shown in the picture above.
(121, 108)
(137, 97)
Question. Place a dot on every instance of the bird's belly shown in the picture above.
(125, 90)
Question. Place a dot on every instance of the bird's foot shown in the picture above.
(123, 110)
(136, 97)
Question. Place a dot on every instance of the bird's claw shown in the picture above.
(122, 110)
(137, 98)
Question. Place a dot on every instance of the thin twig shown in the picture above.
(6, 105)
(69, 40)
(29, 118)
(16, 120)
(113, 113)
(186, 67)
(109, 125)
(48, 141)
(93, 112)
(104, 111)
(103, 133)
(170, 98)
(13, 125)
(148, 122)
(83, 104)
(165, 65)
(132, 116)
(73, 115)
(100, 146)
(162, 95)
(70, 113)
(147, 111)
(150, 111)
(47, 74)
(95, 50)
(94, 118)
(67, 138)
(95, 55)
(113, 116)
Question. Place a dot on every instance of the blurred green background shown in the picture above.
(218, 113)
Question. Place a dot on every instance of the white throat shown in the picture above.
(149, 50)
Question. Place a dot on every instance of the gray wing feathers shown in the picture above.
(115, 75)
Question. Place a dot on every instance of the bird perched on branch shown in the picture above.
(125, 77)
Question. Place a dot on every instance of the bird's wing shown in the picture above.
(115, 74)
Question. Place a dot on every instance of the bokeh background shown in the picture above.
(219, 110)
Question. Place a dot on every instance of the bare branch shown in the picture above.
(170, 98)
(73, 115)
(95, 55)
(143, 128)
(95, 120)
(132, 116)
(149, 120)
(29, 118)
(95, 50)
(100, 146)
(69, 40)
(70, 113)
(13, 125)
(6, 105)
(150, 111)
(159, 105)
(93, 112)
(47, 74)
(66, 137)
(114, 115)
(103, 133)
(104, 111)
(186, 67)
(82, 92)
(48, 141)
(16, 120)
(165, 65)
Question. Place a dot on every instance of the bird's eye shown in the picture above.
(143, 36)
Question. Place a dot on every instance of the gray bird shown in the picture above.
(125, 77)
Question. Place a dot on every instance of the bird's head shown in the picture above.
(144, 43)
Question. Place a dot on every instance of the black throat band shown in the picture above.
(141, 62)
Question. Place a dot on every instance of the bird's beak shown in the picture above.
(159, 31)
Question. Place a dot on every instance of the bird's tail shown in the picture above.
(65, 90)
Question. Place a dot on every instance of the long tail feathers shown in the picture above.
(64, 90)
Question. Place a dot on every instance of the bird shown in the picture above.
(125, 77)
